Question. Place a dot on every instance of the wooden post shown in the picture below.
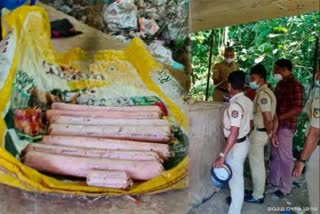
(210, 62)
(316, 57)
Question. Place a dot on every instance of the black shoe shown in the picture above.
(247, 192)
(279, 194)
(251, 199)
(270, 188)
(228, 200)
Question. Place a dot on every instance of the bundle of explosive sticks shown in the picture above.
(109, 146)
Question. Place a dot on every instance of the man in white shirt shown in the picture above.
(237, 119)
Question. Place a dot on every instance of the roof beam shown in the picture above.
(209, 14)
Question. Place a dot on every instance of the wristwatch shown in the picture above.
(221, 155)
(303, 161)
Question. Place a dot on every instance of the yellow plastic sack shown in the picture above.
(27, 59)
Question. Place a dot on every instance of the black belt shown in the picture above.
(241, 140)
(261, 129)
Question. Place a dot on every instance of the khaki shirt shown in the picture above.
(222, 70)
(312, 108)
(238, 114)
(264, 101)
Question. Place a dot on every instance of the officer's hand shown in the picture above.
(274, 140)
(219, 162)
(216, 81)
(298, 168)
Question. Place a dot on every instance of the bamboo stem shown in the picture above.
(316, 56)
(210, 62)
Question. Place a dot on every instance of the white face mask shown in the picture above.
(253, 85)
(317, 83)
(277, 77)
(229, 60)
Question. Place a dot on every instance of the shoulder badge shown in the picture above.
(234, 114)
(316, 112)
(264, 101)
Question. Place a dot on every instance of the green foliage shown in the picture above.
(179, 148)
(264, 41)
(200, 54)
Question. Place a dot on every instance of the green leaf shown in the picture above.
(272, 35)
(280, 29)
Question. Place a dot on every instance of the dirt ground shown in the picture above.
(297, 199)
(14, 201)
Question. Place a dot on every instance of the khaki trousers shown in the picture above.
(258, 140)
(235, 159)
(312, 177)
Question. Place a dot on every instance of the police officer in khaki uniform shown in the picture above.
(311, 147)
(236, 127)
(220, 74)
(264, 110)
